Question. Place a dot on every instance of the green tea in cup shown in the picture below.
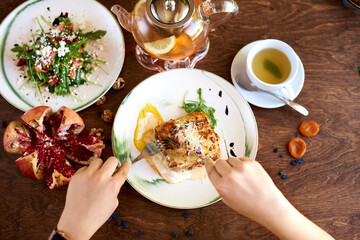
(271, 65)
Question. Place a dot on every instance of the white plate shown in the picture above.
(89, 15)
(261, 99)
(166, 91)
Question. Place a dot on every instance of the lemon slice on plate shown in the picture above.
(160, 46)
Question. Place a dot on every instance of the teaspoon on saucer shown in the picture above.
(247, 85)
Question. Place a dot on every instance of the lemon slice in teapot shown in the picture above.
(139, 9)
(160, 46)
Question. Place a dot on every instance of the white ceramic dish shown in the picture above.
(236, 124)
(261, 99)
(89, 15)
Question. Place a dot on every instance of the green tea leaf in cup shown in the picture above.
(271, 67)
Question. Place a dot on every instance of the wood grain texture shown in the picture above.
(326, 188)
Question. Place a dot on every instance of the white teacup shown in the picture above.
(289, 53)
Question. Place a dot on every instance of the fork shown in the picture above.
(151, 149)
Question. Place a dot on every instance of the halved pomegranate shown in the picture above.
(44, 139)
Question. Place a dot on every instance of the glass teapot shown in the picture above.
(172, 33)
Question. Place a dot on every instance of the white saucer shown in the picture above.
(261, 99)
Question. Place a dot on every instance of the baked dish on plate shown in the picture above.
(196, 138)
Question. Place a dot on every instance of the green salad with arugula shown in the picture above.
(57, 59)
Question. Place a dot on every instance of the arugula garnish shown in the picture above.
(95, 35)
(193, 106)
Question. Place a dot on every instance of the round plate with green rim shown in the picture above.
(236, 127)
(88, 15)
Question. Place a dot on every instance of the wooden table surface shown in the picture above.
(326, 188)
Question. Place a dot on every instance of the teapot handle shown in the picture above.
(123, 16)
(210, 7)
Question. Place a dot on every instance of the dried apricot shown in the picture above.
(297, 147)
(309, 128)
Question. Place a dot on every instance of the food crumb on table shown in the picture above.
(101, 101)
(119, 84)
(108, 116)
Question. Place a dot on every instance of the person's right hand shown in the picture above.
(244, 186)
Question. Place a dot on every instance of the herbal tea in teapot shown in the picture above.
(172, 31)
(169, 43)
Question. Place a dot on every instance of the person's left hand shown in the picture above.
(92, 197)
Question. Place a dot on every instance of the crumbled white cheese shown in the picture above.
(71, 37)
(190, 135)
(42, 39)
(62, 50)
(44, 52)
(55, 32)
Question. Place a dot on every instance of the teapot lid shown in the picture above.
(169, 13)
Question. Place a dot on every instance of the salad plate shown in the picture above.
(87, 15)
(236, 127)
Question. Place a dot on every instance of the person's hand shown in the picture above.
(92, 197)
(246, 187)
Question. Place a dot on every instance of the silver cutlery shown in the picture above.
(151, 149)
(247, 85)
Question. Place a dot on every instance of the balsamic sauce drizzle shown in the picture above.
(232, 153)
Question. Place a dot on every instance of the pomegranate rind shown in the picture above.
(69, 118)
(58, 180)
(30, 166)
(16, 137)
(35, 117)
